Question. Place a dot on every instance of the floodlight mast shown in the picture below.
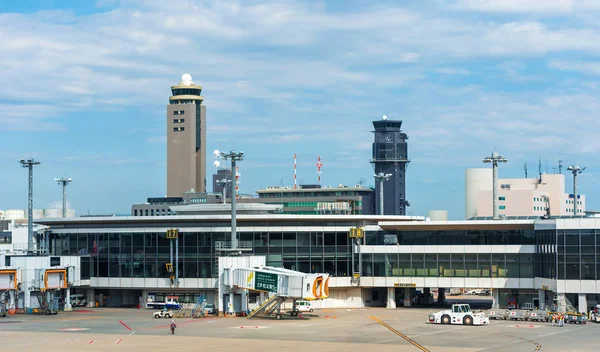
(576, 170)
(29, 164)
(234, 156)
(381, 177)
(224, 182)
(495, 158)
(63, 181)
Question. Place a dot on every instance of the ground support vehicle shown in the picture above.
(498, 314)
(518, 314)
(594, 316)
(163, 314)
(171, 302)
(539, 315)
(576, 318)
(459, 314)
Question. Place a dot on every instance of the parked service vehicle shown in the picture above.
(209, 308)
(78, 300)
(539, 315)
(518, 314)
(498, 314)
(459, 314)
(304, 306)
(163, 314)
(576, 318)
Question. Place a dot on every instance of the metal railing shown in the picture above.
(226, 246)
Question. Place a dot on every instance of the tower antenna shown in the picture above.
(525, 168)
(319, 165)
(294, 170)
(560, 166)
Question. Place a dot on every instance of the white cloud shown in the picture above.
(515, 6)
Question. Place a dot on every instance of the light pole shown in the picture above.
(224, 182)
(576, 170)
(381, 177)
(29, 163)
(64, 182)
(495, 158)
(234, 156)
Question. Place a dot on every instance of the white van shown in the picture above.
(303, 306)
(78, 300)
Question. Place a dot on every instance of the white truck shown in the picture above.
(459, 314)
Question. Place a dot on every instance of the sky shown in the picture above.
(85, 86)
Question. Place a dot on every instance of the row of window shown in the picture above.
(449, 265)
(178, 112)
(571, 202)
(178, 129)
(178, 120)
(570, 210)
(197, 200)
(285, 194)
(152, 212)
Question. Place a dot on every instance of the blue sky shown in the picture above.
(85, 88)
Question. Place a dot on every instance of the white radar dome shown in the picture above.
(186, 80)
(217, 163)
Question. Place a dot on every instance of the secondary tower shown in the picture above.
(390, 156)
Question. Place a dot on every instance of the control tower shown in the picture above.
(186, 139)
(390, 156)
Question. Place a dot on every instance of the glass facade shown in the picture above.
(145, 254)
(465, 265)
(456, 237)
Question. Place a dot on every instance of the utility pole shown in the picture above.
(64, 182)
(381, 177)
(29, 163)
(234, 156)
(576, 170)
(495, 158)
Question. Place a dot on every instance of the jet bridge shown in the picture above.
(281, 284)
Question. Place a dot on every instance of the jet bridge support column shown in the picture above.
(68, 307)
(391, 297)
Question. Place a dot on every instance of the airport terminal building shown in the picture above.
(123, 259)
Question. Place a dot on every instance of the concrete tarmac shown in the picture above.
(376, 329)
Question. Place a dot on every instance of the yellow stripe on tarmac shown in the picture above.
(409, 340)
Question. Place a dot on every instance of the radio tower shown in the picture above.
(319, 165)
(294, 170)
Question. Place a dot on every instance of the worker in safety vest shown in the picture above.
(561, 320)
(553, 319)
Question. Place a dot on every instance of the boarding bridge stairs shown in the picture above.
(268, 306)
(563, 304)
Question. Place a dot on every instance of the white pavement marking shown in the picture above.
(132, 333)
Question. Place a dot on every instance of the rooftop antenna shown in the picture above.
(319, 165)
(540, 169)
(294, 170)
(546, 164)
(560, 166)
(525, 168)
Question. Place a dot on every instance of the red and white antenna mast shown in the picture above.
(237, 183)
(319, 165)
(294, 170)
